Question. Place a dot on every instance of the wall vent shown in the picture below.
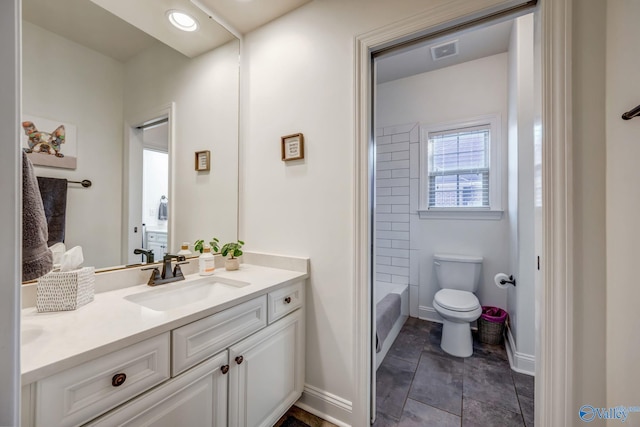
(444, 50)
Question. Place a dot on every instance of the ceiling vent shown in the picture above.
(444, 50)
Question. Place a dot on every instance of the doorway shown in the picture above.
(553, 395)
(148, 189)
(454, 173)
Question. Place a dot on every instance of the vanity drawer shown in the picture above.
(200, 340)
(285, 300)
(81, 393)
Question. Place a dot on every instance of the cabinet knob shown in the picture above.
(224, 369)
(239, 359)
(287, 300)
(118, 379)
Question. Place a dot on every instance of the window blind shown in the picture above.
(459, 167)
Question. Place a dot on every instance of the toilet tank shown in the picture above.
(460, 272)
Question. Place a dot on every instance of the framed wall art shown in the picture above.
(203, 160)
(292, 147)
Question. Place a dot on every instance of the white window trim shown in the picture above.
(494, 211)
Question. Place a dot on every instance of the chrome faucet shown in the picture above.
(167, 275)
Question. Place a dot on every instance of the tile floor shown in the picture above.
(418, 384)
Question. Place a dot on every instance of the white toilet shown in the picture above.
(458, 277)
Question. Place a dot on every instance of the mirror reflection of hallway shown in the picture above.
(151, 170)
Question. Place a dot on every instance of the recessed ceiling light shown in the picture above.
(182, 20)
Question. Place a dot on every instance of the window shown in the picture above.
(459, 169)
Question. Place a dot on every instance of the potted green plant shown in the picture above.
(199, 245)
(234, 250)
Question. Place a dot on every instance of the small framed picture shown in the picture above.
(203, 160)
(292, 147)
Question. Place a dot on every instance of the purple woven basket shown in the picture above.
(491, 325)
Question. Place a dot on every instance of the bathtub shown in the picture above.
(380, 291)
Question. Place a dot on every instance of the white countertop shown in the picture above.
(53, 342)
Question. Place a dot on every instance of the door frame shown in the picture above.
(132, 139)
(554, 296)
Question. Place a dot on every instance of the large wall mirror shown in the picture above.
(138, 99)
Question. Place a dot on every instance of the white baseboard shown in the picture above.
(428, 313)
(325, 405)
(520, 362)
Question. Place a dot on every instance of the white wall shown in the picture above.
(520, 303)
(65, 81)
(456, 93)
(298, 77)
(623, 204)
(206, 96)
(590, 269)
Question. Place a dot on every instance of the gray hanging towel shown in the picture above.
(54, 200)
(37, 259)
(163, 209)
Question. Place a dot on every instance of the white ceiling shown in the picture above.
(100, 24)
(89, 25)
(247, 15)
(416, 59)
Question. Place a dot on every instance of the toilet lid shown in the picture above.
(453, 299)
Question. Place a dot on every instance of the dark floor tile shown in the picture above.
(482, 359)
(493, 351)
(432, 344)
(417, 326)
(438, 382)
(408, 345)
(490, 382)
(394, 378)
(488, 386)
(383, 420)
(526, 406)
(479, 414)
(525, 384)
(417, 414)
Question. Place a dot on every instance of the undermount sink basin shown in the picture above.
(179, 294)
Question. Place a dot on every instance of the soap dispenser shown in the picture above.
(184, 249)
(206, 262)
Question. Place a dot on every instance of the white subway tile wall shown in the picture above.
(394, 164)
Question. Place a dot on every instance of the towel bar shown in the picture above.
(85, 183)
(631, 113)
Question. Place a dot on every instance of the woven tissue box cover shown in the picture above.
(62, 291)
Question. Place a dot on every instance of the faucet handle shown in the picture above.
(169, 257)
(155, 275)
(177, 271)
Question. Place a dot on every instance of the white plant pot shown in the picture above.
(231, 264)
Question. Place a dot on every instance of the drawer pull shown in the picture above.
(239, 359)
(287, 300)
(224, 369)
(118, 379)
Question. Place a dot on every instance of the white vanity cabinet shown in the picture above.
(197, 398)
(267, 373)
(240, 367)
(157, 242)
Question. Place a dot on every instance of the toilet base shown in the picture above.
(456, 338)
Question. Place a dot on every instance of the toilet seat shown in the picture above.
(455, 300)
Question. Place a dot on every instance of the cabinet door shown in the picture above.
(267, 373)
(197, 398)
